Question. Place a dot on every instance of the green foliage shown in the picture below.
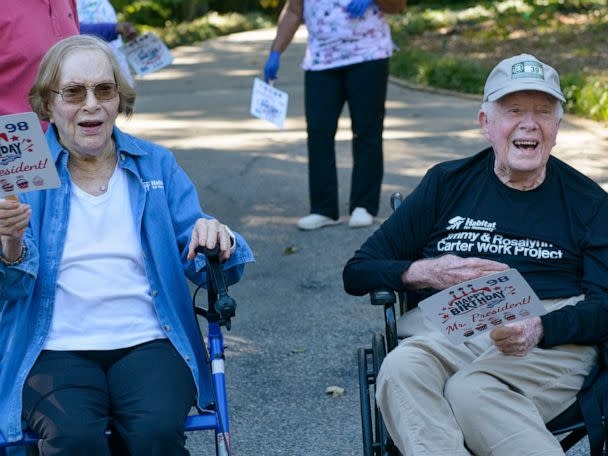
(155, 13)
(586, 95)
(482, 25)
(209, 26)
(444, 72)
(423, 33)
(145, 12)
(447, 72)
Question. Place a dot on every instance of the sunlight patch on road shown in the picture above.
(573, 147)
(266, 35)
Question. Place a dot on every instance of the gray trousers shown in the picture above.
(436, 397)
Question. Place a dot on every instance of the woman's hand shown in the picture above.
(447, 270)
(208, 233)
(126, 30)
(14, 219)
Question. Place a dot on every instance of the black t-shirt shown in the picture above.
(555, 235)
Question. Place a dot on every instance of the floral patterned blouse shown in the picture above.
(336, 40)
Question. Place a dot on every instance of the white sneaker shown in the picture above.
(360, 218)
(315, 221)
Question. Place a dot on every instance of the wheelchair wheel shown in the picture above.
(384, 443)
(376, 441)
(365, 377)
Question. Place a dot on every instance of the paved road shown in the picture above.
(296, 331)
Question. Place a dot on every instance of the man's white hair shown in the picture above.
(488, 108)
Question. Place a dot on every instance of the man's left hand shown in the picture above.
(519, 338)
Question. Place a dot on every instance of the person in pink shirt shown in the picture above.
(346, 62)
(27, 30)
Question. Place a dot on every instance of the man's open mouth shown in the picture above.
(525, 144)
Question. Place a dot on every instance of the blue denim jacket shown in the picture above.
(165, 207)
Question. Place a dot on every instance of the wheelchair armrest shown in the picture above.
(382, 297)
(387, 299)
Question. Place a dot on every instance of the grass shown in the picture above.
(456, 48)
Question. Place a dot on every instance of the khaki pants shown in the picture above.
(435, 396)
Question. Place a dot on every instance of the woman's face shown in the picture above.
(85, 128)
(522, 128)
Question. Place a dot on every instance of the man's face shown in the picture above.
(522, 128)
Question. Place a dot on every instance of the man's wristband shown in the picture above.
(18, 260)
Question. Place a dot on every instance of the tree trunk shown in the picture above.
(192, 9)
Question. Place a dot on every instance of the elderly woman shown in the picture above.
(510, 205)
(96, 324)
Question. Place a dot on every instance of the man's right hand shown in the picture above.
(271, 69)
(447, 270)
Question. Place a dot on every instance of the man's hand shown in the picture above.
(208, 233)
(357, 8)
(517, 339)
(448, 270)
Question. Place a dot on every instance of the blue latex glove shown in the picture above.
(272, 66)
(356, 8)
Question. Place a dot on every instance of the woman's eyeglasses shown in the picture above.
(77, 93)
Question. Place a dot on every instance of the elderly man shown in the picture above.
(492, 395)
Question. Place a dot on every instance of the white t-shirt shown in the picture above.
(103, 297)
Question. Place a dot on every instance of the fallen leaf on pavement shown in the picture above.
(334, 391)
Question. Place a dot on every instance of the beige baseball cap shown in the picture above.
(522, 72)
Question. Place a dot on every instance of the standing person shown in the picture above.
(512, 205)
(346, 61)
(96, 310)
(98, 17)
(28, 28)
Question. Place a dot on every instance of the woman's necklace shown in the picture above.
(94, 180)
(106, 176)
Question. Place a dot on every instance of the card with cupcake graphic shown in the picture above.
(474, 307)
(25, 158)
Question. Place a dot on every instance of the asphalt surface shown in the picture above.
(296, 331)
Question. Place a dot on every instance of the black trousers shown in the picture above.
(363, 87)
(143, 393)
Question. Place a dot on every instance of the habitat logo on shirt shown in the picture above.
(154, 184)
(465, 223)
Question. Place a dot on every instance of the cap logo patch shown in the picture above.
(527, 69)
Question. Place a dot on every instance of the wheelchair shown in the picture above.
(569, 427)
(221, 308)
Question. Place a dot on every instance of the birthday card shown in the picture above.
(475, 307)
(25, 158)
(268, 103)
(147, 54)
